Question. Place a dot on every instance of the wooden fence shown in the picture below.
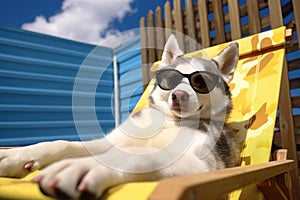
(255, 16)
(212, 22)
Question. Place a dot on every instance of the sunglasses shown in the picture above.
(201, 81)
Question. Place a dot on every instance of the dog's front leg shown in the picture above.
(18, 162)
(77, 178)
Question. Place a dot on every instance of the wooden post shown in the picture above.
(168, 19)
(191, 25)
(296, 7)
(160, 36)
(178, 18)
(204, 27)
(145, 65)
(219, 21)
(151, 38)
(234, 17)
(253, 15)
(275, 13)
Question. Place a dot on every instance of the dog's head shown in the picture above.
(192, 87)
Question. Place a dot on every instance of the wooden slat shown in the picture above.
(296, 7)
(297, 121)
(287, 9)
(151, 38)
(191, 25)
(204, 26)
(294, 64)
(245, 28)
(219, 21)
(145, 66)
(211, 6)
(168, 19)
(212, 185)
(234, 16)
(254, 19)
(287, 127)
(293, 46)
(190, 19)
(296, 102)
(160, 36)
(178, 18)
(298, 153)
(275, 13)
(277, 139)
(243, 12)
(295, 83)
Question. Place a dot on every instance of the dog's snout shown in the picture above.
(180, 96)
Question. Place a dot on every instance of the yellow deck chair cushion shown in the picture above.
(255, 92)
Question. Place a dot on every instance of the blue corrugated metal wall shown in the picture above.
(37, 74)
(130, 76)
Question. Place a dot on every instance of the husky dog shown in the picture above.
(182, 132)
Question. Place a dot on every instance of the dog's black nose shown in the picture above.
(180, 96)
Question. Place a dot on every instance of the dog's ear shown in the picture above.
(171, 50)
(227, 60)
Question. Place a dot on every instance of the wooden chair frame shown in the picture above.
(183, 21)
(212, 185)
(275, 179)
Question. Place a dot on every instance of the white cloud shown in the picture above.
(84, 20)
(114, 38)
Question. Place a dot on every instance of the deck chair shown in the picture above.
(255, 91)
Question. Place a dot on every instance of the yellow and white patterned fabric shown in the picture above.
(255, 92)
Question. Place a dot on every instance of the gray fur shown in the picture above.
(226, 150)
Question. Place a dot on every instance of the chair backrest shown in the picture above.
(215, 22)
(255, 92)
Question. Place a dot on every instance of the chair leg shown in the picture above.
(275, 187)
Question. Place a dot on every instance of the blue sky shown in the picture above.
(89, 21)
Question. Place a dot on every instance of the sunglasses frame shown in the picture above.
(215, 77)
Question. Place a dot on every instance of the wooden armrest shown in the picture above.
(212, 185)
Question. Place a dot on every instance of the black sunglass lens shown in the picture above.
(168, 79)
(203, 82)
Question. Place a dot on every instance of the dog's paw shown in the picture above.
(18, 162)
(84, 178)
